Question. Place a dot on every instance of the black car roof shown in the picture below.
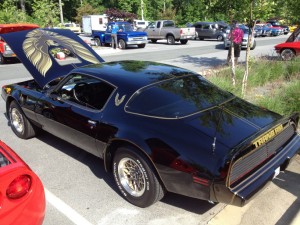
(131, 74)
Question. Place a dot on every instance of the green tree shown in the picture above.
(86, 9)
(45, 12)
(9, 13)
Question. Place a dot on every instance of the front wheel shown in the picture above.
(122, 44)
(141, 45)
(254, 45)
(2, 59)
(220, 38)
(19, 123)
(135, 179)
(171, 40)
(287, 54)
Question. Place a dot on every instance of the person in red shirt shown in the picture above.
(236, 37)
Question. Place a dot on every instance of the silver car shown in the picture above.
(245, 39)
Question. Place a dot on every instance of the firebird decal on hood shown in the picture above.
(36, 49)
(38, 43)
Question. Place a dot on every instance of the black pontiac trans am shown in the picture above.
(159, 128)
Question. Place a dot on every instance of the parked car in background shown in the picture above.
(140, 24)
(210, 30)
(126, 36)
(258, 31)
(266, 31)
(275, 31)
(293, 28)
(275, 23)
(291, 48)
(245, 38)
(166, 30)
(22, 197)
(6, 53)
(75, 27)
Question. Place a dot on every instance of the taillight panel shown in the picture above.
(19, 187)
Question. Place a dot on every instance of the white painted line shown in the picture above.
(65, 209)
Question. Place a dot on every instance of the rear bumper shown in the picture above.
(247, 189)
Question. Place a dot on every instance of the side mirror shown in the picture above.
(54, 96)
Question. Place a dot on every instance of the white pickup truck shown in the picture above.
(165, 29)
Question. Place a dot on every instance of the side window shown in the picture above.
(168, 24)
(206, 26)
(151, 25)
(86, 90)
(199, 26)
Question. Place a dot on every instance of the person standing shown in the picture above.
(114, 38)
(236, 37)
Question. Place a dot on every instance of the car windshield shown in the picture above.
(126, 27)
(177, 98)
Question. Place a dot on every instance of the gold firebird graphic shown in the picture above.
(38, 43)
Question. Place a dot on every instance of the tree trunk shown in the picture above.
(22, 4)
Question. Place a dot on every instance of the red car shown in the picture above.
(22, 196)
(291, 47)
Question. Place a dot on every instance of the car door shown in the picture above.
(153, 30)
(73, 111)
(107, 34)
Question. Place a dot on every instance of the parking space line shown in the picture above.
(65, 209)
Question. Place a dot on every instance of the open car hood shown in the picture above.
(36, 49)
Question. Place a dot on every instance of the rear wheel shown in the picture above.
(135, 178)
(122, 44)
(19, 123)
(183, 42)
(287, 54)
(196, 35)
(170, 40)
(98, 42)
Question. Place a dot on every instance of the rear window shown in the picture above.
(177, 97)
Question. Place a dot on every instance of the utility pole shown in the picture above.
(142, 9)
(61, 12)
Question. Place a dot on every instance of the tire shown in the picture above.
(153, 40)
(2, 59)
(183, 42)
(98, 42)
(135, 179)
(19, 123)
(170, 40)
(196, 35)
(220, 38)
(254, 45)
(287, 54)
(122, 44)
(141, 46)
